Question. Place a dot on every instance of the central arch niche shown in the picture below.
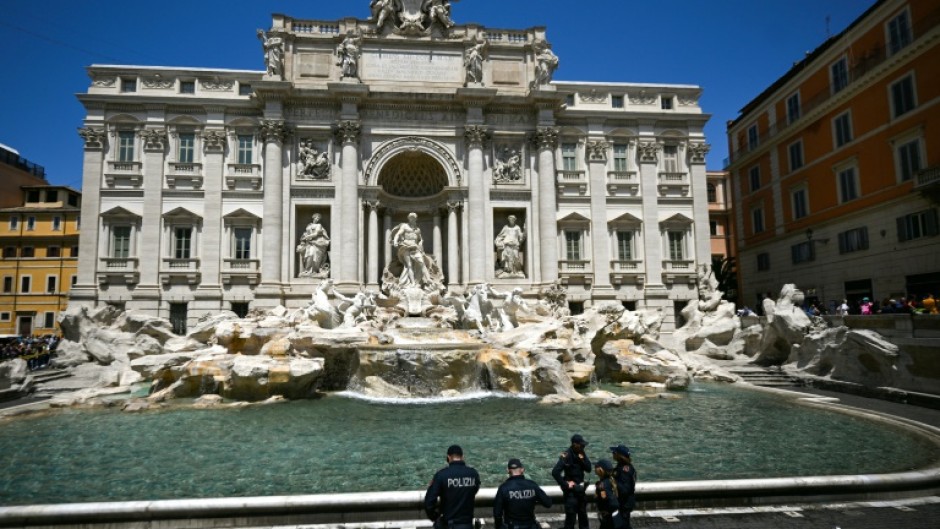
(412, 174)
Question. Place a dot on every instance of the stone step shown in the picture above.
(49, 374)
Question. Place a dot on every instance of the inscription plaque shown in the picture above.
(427, 66)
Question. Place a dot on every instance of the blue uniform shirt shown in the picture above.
(456, 485)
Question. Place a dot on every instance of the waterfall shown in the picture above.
(523, 365)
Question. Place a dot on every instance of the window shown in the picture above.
(187, 87)
(73, 200)
(839, 75)
(187, 143)
(242, 241)
(25, 284)
(620, 157)
(244, 148)
(903, 99)
(52, 195)
(907, 155)
(616, 101)
(74, 251)
(757, 219)
(848, 185)
(853, 240)
(74, 281)
(752, 137)
(30, 223)
(182, 243)
(625, 245)
(713, 228)
(7, 285)
(121, 242)
(125, 146)
(803, 252)
(842, 129)
(917, 225)
(793, 108)
(712, 193)
(51, 283)
(763, 262)
(128, 85)
(240, 308)
(572, 245)
(676, 245)
(666, 102)
(800, 203)
(671, 158)
(53, 251)
(796, 155)
(244, 89)
(9, 252)
(56, 223)
(569, 100)
(48, 320)
(899, 32)
(4, 316)
(569, 160)
(14, 222)
(29, 251)
(32, 196)
(754, 175)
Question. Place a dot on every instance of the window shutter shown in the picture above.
(863, 238)
(930, 223)
(842, 243)
(902, 233)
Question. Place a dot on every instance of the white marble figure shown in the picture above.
(512, 304)
(473, 60)
(348, 53)
(312, 163)
(546, 64)
(438, 11)
(384, 11)
(313, 249)
(479, 312)
(508, 243)
(508, 166)
(273, 47)
(358, 309)
(321, 309)
(417, 268)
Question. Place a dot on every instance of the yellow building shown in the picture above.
(39, 241)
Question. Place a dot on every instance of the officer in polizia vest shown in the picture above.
(569, 472)
(456, 486)
(514, 505)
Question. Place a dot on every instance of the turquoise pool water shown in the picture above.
(340, 444)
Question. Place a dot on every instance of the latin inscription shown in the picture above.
(427, 66)
(404, 114)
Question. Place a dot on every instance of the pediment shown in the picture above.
(677, 220)
(181, 213)
(241, 214)
(625, 220)
(574, 218)
(119, 212)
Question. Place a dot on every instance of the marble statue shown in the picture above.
(508, 166)
(313, 249)
(473, 60)
(312, 163)
(508, 243)
(513, 303)
(438, 11)
(273, 47)
(411, 270)
(546, 64)
(479, 312)
(321, 309)
(359, 309)
(348, 53)
(384, 11)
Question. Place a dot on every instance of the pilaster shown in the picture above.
(273, 135)
(348, 133)
(475, 136)
(648, 151)
(212, 236)
(546, 139)
(699, 182)
(85, 290)
(597, 151)
(373, 255)
(151, 245)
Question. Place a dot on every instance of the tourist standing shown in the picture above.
(605, 496)
(514, 506)
(569, 472)
(456, 486)
(625, 478)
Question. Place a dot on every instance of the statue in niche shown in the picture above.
(313, 249)
(273, 47)
(508, 167)
(473, 60)
(412, 268)
(383, 11)
(546, 64)
(508, 243)
(438, 11)
(313, 163)
(348, 53)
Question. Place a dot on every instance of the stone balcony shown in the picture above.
(123, 174)
(243, 176)
(681, 271)
(247, 270)
(189, 174)
(118, 270)
(572, 183)
(623, 183)
(186, 270)
(622, 272)
(927, 183)
(575, 271)
(673, 184)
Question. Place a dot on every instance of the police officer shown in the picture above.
(456, 486)
(605, 496)
(569, 473)
(514, 506)
(625, 478)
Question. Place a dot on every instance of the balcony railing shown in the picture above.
(672, 177)
(576, 269)
(124, 167)
(927, 177)
(570, 180)
(679, 266)
(123, 174)
(186, 269)
(238, 174)
(622, 181)
(246, 269)
(625, 266)
(627, 272)
(118, 269)
(180, 264)
(184, 172)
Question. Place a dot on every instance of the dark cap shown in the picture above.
(621, 450)
(577, 439)
(514, 464)
(605, 464)
(454, 450)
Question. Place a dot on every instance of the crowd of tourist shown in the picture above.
(37, 351)
(866, 307)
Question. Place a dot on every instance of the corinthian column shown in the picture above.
(547, 138)
(698, 179)
(373, 257)
(453, 242)
(273, 134)
(600, 250)
(348, 133)
(476, 228)
(86, 289)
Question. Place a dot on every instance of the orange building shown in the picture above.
(39, 241)
(721, 225)
(16, 171)
(835, 167)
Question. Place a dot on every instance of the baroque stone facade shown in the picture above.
(205, 183)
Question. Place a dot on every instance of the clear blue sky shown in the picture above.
(732, 48)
